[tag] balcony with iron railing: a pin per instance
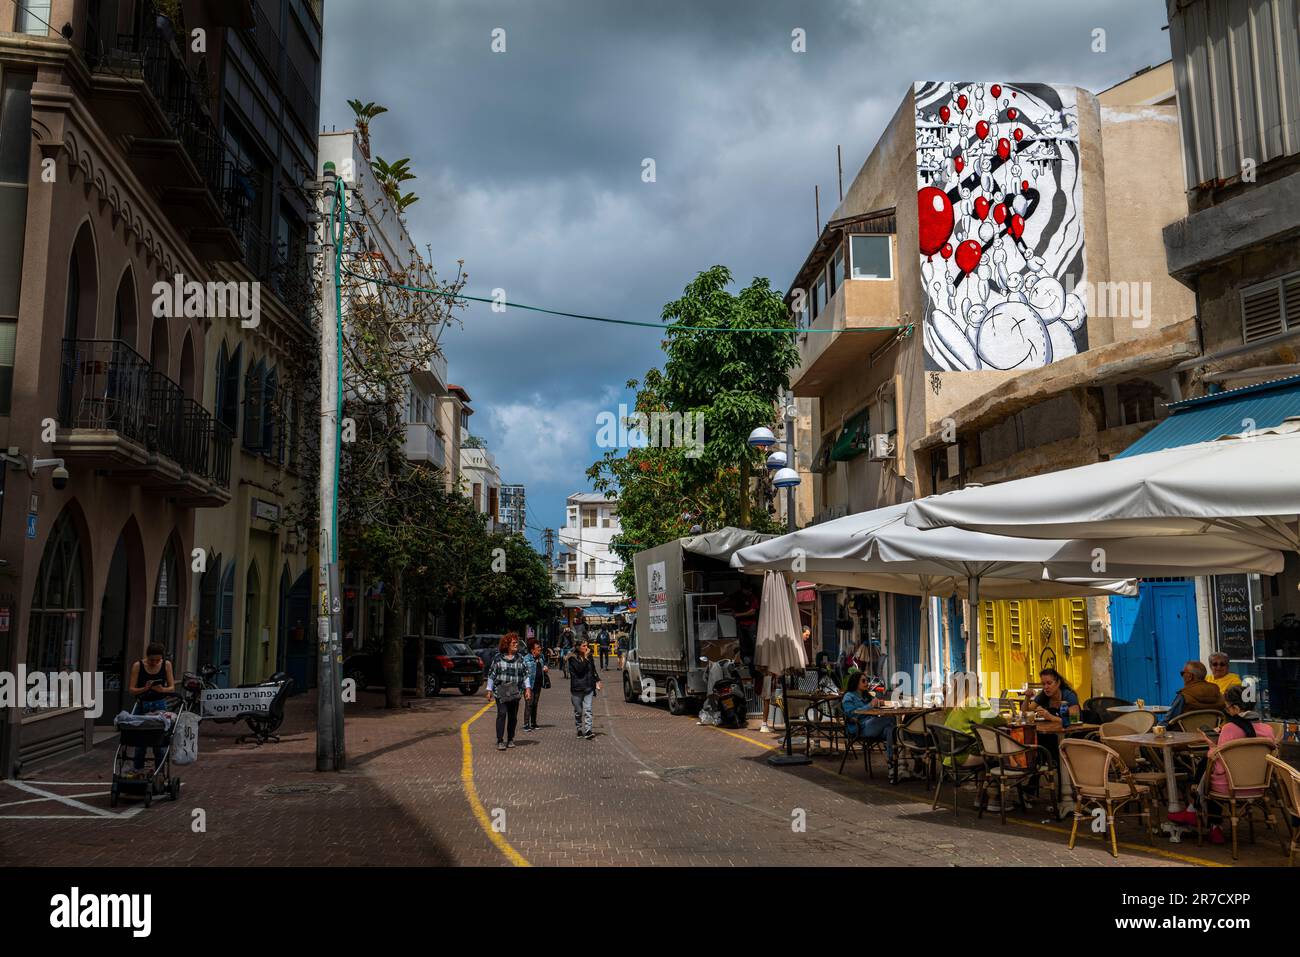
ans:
(144, 92)
(119, 415)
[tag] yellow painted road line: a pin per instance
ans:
(1140, 848)
(471, 793)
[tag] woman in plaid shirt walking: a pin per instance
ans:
(508, 681)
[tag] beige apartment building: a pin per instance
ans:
(120, 168)
(990, 300)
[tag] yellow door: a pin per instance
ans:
(1022, 637)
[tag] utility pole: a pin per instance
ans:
(548, 536)
(330, 754)
(789, 460)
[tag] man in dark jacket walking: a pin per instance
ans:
(584, 682)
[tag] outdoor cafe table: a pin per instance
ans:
(900, 712)
(1153, 708)
(1167, 741)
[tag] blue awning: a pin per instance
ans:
(1208, 417)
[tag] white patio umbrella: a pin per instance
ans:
(1242, 488)
(778, 646)
(878, 550)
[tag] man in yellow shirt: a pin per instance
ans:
(1219, 673)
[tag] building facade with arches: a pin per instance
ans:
(129, 158)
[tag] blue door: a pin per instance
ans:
(1152, 635)
(906, 652)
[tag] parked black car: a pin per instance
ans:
(448, 663)
(485, 646)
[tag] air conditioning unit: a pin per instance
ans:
(880, 449)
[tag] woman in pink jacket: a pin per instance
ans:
(1242, 722)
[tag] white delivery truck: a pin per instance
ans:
(682, 588)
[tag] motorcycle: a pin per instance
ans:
(728, 694)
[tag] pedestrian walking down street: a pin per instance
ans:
(603, 639)
(584, 682)
(539, 678)
(566, 649)
(508, 682)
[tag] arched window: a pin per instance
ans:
(227, 398)
(58, 613)
(167, 602)
(255, 407)
(124, 310)
(272, 426)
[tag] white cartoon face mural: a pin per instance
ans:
(1000, 211)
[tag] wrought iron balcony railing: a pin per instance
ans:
(106, 385)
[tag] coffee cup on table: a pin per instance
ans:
(1159, 730)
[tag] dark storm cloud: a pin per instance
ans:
(529, 161)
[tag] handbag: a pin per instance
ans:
(546, 680)
(507, 691)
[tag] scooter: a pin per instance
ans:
(729, 694)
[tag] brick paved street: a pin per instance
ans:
(650, 789)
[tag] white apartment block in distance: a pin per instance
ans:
(586, 565)
(514, 509)
(480, 479)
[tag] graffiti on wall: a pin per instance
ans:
(1000, 223)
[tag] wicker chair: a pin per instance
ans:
(912, 739)
(1137, 722)
(1250, 777)
(1287, 779)
(1091, 766)
(796, 706)
(826, 723)
(1097, 710)
(1011, 763)
(950, 749)
(1193, 721)
(867, 745)
(1145, 768)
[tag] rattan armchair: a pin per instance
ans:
(1287, 780)
(951, 749)
(912, 739)
(1145, 766)
(1012, 764)
(1137, 722)
(1097, 710)
(1092, 768)
(1250, 777)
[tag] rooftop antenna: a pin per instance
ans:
(839, 166)
(817, 205)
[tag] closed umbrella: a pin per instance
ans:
(1243, 488)
(778, 648)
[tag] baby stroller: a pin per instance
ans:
(149, 731)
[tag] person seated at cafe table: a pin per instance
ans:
(1219, 673)
(1242, 722)
(1057, 695)
(968, 708)
(857, 698)
(1197, 694)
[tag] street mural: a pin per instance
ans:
(1000, 215)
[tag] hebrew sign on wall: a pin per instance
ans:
(1000, 216)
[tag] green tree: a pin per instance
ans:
(718, 367)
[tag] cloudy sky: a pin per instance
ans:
(530, 160)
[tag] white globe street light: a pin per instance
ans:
(762, 437)
(776, 460)
(786, 478)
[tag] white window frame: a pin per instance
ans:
(889, 239)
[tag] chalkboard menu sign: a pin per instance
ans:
(1234, 617)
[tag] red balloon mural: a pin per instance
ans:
(995, 90)
(1004, 148)
(934, 218)
(981, 129)
(962, 101)
(959, 164)
(1012, 113)
(968, 256)
(999, 213)
(1019, 135)
(1017, 225)
(946, 251)
(944, 113)
(981, 207)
